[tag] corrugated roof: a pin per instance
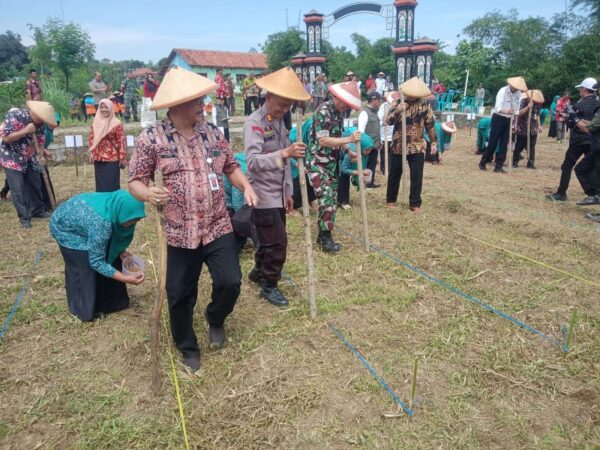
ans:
(226, 60)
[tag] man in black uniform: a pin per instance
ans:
(580, 142)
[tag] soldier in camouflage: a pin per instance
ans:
(322, 157)
(129, 89)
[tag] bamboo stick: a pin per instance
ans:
(529, 125)
(160, 295)
(312, 289)
(363, 197)
(403, 180)
(509, 150)
(386, 149)
(40, 154)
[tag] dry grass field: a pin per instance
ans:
(284, 381)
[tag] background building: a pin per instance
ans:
(206, 63)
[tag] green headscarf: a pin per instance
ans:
(117, 207)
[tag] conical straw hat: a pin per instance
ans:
(347, 92)
(449, 127)
(391, 96)
(415, 87)
(517, 83)
(284, 83)
(43, 110)
(538, 96)
(181, 86)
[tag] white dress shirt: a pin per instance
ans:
(383, 110)
(507, 100)
(380, 84)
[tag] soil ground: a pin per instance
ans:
(284, 381)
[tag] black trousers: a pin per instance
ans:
(521, 145)
(249, 104)
(107, 175)
(500, 130)
(88, 292)
(372, 162)
(416, 164)
(382, 157)
(574, 152)
(588, 172)
(297, 194)
(272, 243)
(343, 196)
(183, 271)
(226, 133)
(26, 189)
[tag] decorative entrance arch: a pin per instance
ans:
(413, 58)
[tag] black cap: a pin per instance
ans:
(373, 96)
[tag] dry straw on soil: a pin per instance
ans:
(284, 381)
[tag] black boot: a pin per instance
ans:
(273, 295)
(326, 242)
(255, 276)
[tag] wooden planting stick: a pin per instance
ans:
(40, 154)
(510, 146)
(363, 197)
(160, 295)
(529, 125)
(403, 180)
(414, 384)
(571, 328)
(386, 154)
(312, 289)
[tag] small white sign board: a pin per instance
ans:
(78, 140)
(450, 118)
(471, 116)
(130, 141)
(69, 141)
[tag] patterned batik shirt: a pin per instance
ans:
(419, 115)
(20, 153)
(195, 215)
(522, 122)
(33, 88)
(112, 147)
(327, 122)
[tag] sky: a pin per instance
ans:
(148, 30)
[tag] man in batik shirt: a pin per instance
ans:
(129, 88)
(19, 159)
(419, 115)
(193, 157)
(33, 90)
(322, 157)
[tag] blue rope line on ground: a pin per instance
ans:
(365, 363)
(549, 339)
(36, 261)
(338, 333)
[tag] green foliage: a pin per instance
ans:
(12, 95)
(339, 60)
(280, 47)
(13, 56)
(68, 45)
(57, 96)
(593, 6)
(500, 45)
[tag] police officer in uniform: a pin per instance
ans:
(268, 154)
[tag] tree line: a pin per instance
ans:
(552, 54)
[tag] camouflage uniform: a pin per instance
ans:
(129, 88)
(322, 162)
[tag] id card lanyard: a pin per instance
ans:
(213, 179)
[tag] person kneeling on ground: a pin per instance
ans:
(93, 231)
(419, 115)
(349, 165)
(444, 132)
(268, 155)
